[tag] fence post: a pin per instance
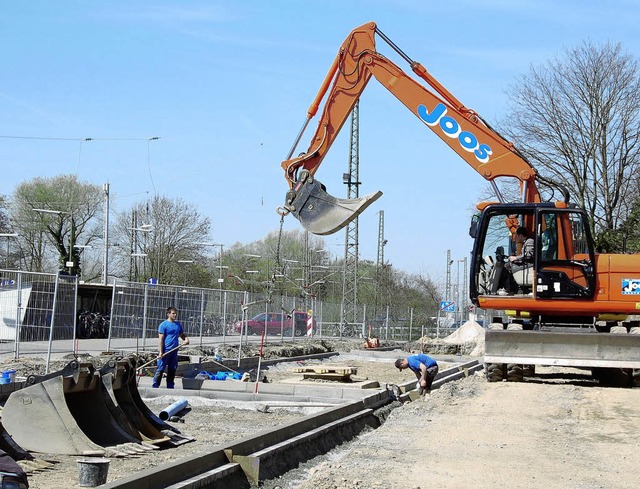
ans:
(410, 321)
(386, 325)
(75, 316)
(52, 322)
(144, 317)
(365, 333)
(113, 303)
(201, 314)
(224, 320)
(18, 318)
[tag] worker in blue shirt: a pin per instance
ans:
(169, 334)
(425, 368)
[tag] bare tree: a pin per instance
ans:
(59, 211)
(162, 238)
(577, 119)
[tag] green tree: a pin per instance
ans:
(56, 216)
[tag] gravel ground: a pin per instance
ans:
(210, 422)
(557, 429)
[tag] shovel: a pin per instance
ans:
(138, 370)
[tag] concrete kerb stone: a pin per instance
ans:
(196, 471)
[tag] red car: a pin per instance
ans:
(276, 323)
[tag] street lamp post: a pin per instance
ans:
(105, 256)
(220, 266)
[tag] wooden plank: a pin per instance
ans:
(326, 370)
(328, 376)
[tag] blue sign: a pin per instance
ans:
(448, 306)
(152, 281)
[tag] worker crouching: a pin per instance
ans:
(424, 367)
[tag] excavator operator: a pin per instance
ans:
(524, 259)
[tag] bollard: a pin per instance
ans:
(92, 472)
(175, 408)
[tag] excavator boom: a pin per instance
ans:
(460, 128)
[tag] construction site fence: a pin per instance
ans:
(207, 314)
(39, 315)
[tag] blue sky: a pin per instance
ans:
(226, 86)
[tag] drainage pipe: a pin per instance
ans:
(175, 408)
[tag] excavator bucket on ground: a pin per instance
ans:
(321, 213)
(77, 411)
(120, 377)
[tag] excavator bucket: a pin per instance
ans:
(321, 213)
(39, 419)
(120, 376)
(81, 411)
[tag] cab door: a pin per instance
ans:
(566, 259)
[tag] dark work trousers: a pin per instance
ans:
(169, 363)
(431, 375)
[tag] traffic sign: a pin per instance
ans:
(448, 306)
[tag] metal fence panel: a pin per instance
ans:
(37, 309)
(137, 310)
(209, 314)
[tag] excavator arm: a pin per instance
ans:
(459, 127)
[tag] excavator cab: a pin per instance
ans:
(563, 265)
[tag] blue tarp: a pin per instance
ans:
(219, 375)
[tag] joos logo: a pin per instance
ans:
(468, 141)
(630, 286)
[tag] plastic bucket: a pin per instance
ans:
(92, 472)
(8, 376)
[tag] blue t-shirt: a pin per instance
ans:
(171, 331)
(416, 360)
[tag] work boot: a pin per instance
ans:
(170, 379)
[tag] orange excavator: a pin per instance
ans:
(554, 304)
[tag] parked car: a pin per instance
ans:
(276, 323)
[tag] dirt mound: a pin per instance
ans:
(469, 331)
(285, 349)
(468, 339)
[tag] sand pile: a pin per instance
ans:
(469, 333)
